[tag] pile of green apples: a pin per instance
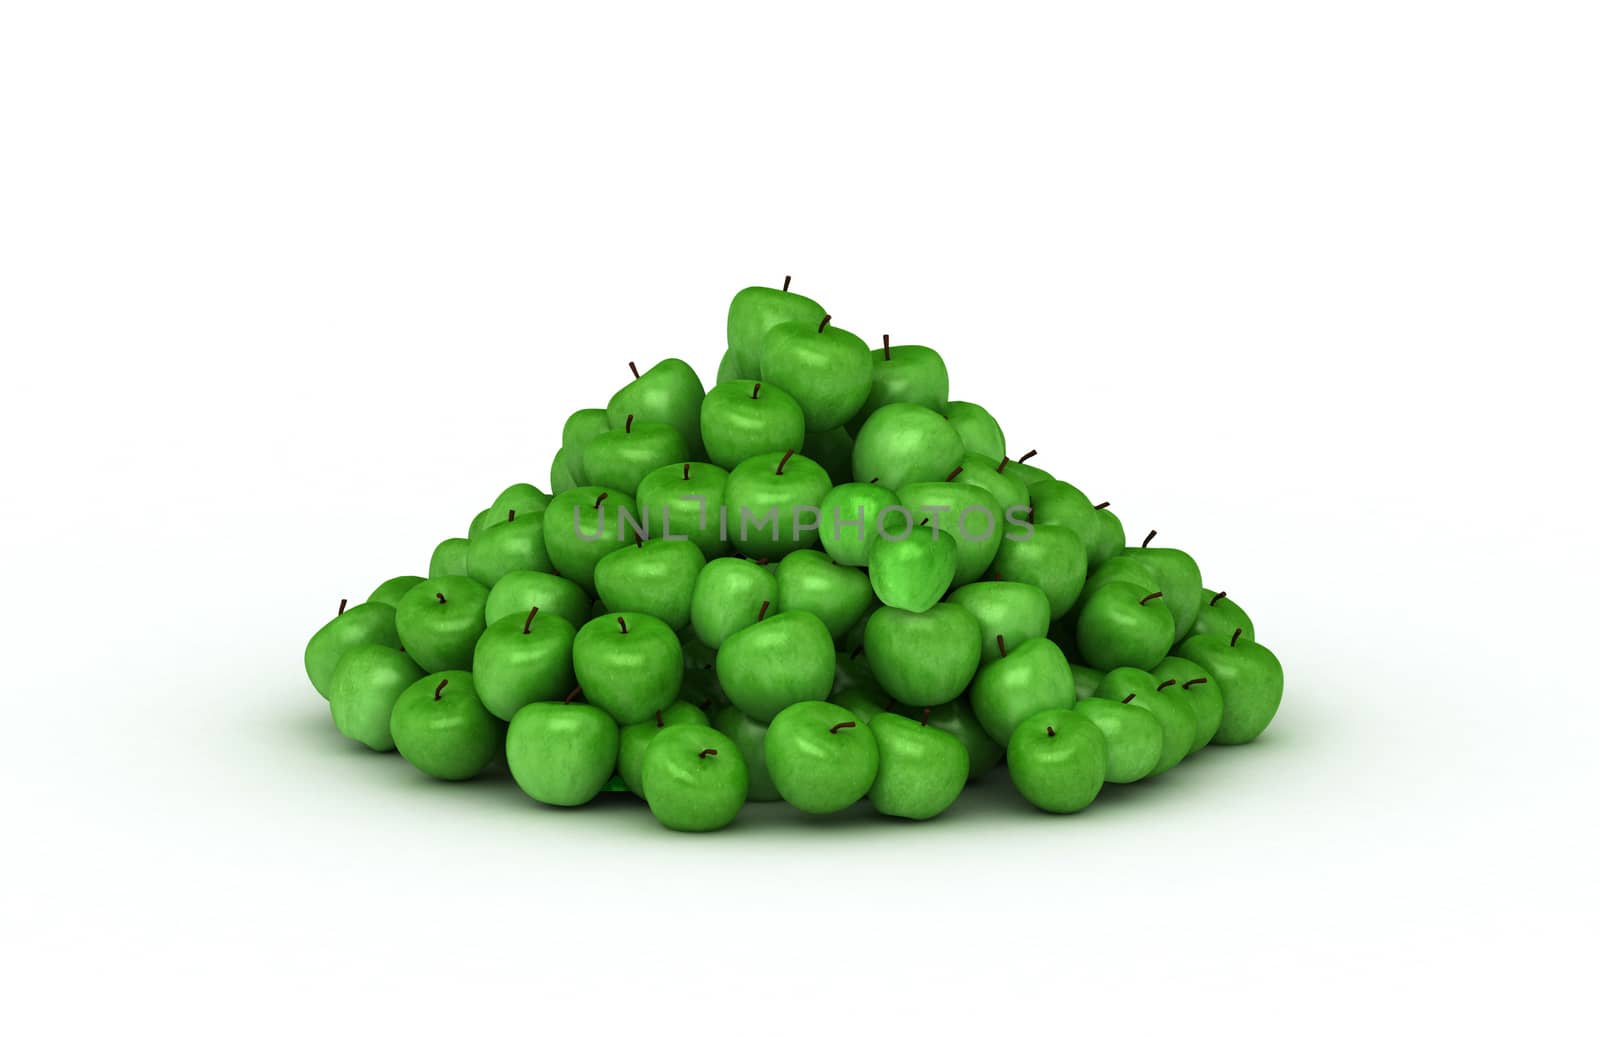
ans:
(820, 581)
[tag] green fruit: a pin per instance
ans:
(1133, 738)
(1178, 577)
(669, 393)
(820, 757)
(1029, 678)
(622, 457)
(1249, 677)
(729, 595)
(750, 737)
(957, 718)
(561, 753)
(523, 659)
(921, 769)
(629, 664)
(561, 477)
(1017, 612)
(581, 429)
(1218, 614)
(1124, 625)
(695, 778)
(744, 418)
(1051, 558)
(439, 621)
(390, 591)
(449, 558)
(839, 595)
(774, 503)
(1172, 712)
(1087, 680)
(906, 374)
(518, 592)
(372, 623)
(727, 368)
(850, 519)
(905, 443)
(756, 311)
(1009, 490)
(913, 571)
(585, 524)
(826, 369)
(1057, 761)
(686, 501)
(774, 663)
(1187, 680)
(366, 684)
(1110, 540)
(1056, 503)
(969, 514)
(926, 658)
(480, 522)
(655, 577)
(831, 448)
(522, 498)
(636, 738)
(516, 545)
(442, 729)
(979, 432)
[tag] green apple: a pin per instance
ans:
(561, 477)
(1109, 537)
(518, 592)
(914, 570)
(522, 498)
(449, 558)
(695, 778)
(1124, 625)
(753, 313)
(831, 448)
(629, 664)
(969, 513)
(1133, 737)
(371, 623)
(1178, 577)
(585, 524)
(1028, 473)
(636, 738)
(685, 500)
(904, 443)
(1087, 679)
(1173, 712)
(1056, 503)
(728, 596)
(515, 545)
(669, 393)
(839, 595)
(581, 428)
(621, 457)
(750, 737)
(1189, 680)
(480, 522)
(1051, 558)
(1249, 677)
(1017, 612)
(826, 369)
(1009, 490)
(957, 718)
(906, 374)
(1218, 614)
(728, 368)
(1057, 761)
(850, 520)
(776, 662)
(855, 688)
(978, 430)
(774, 503)
(439, 621)
(655, 577)
(366, 684)
(921, 769)
(744, 418)
(442, 729)
(1028, 678)
(923, 658)
(561, 753)
(390, 591)
(523, 659)
(820, 757)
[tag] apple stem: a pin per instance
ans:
(623, 623)
(1189, 684)
(511, 515)
(574, 693)
(634, 368)
(1049, 730)
(686, 471)
(342, 603)
(659, 721)
(707, 752)
(763, 613)
(1148, 537)
(1233, 642)
(1219, 596)
(786, 282)
(886, 356)
(755, 394)
(600, 498)
(1102, 505)
(951, 477)
(1164, 685)
(527, 626)
(627, 426)
(1150, 597)
(926, 712)
(836, 728)
(873, 480)
(1001, 467)
(1129, 699)
(1024, 458)
(763, 560)
(788, 454)
(1001, 640)
(440, 596)
(438, 692)
(856, 652)
(826, 317)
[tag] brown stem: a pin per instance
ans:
(1127, 700)
(527, 626)
(511, 514)
(1049, 730)
(836, 728)
(623, 623)
(574, 693)
(1102, 504)
(438, 692)
(755, 394)
(1001, 467)
(1189, 684)
(786, 282)
(659, 721)
(1233, 642)
(826, 317)
(1024, 458)
(1148, 537)
(440, 596)
(1001, 640)
(926, 713)
(1150, 597)
(856, 652)
(342, 603)
(707, 752)
(873, 480)
(952, 476)
(1164, 685)
(686, 471)
(763, 613)
(627, 426)
(603, 495)
(787, 454)
(1218, 597)
(886, 356)
(634, 368)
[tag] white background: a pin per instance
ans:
(289, 291)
